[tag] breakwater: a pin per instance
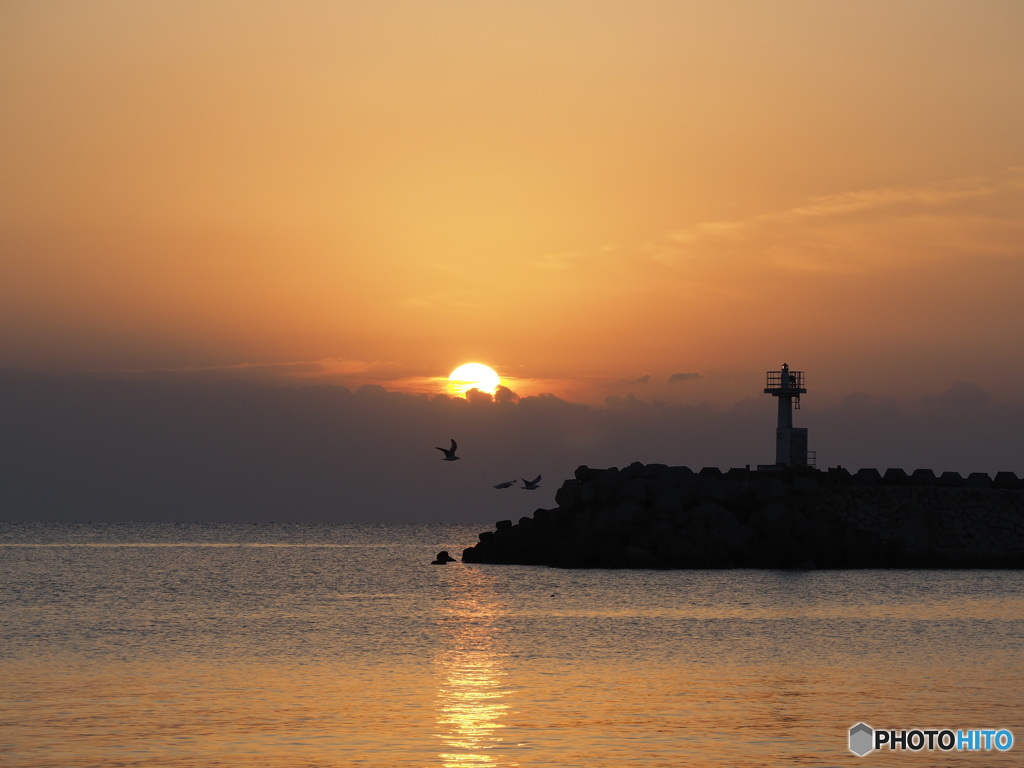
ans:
(656, 516)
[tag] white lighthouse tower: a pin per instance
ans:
(790, 441)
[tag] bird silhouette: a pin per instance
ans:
(531, 485)
(443, 558)
(509, 484)
(449, 453)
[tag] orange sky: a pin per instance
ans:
(580, 194)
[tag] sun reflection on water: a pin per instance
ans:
(472, 695)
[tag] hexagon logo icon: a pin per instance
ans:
(862, 737)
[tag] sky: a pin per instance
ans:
(630, 210)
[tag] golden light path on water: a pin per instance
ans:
(472, 696)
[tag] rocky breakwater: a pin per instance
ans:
(656, 516)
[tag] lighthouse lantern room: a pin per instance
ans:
(790, 441)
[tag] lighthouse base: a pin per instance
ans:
(791, 446)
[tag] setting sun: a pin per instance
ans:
(473, 376)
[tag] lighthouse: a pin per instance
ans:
(790, 441)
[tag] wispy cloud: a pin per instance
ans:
(980, 212)
(711, 229)
(557, 262)
(929, 195)
(330, 368)
(447, 299)
(935, 195)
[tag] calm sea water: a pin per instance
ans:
(289, 646)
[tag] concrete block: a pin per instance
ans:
(895, 476)
(978, 480)
(1005, 480)
(923, 478)
(951, 480)
(866, 476)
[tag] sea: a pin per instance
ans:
(328, 646)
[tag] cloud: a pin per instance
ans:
(477, 396)
(710, 229)
(851, 231)
(96, 449)
(960, 429)
(961, 398)
(505, 395)
(557, 262)
(334, 369)
(675, 378)
(934, 195)
(645, 379)
(439, 299)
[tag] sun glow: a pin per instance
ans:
(473, 376)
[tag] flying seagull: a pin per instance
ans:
(531, 485)
(449, 453)
(506, 485)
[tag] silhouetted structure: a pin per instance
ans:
(783, 515)
(790, 442)
(656, 516)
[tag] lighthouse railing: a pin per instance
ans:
(774, 380)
